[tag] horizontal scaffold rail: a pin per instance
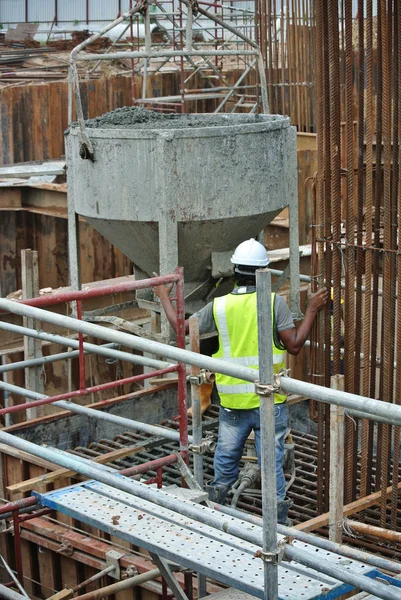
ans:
(370, 408)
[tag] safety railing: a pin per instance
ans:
(266, 385)
(162, 368)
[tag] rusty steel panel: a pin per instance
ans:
(33, 118)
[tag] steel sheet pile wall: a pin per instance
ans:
(33, 118)
(357, 233)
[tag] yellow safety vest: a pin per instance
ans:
(236, 320)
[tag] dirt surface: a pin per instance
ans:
(131, 117)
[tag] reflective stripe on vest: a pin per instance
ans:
(238, 344)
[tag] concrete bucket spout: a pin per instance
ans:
(172, 190)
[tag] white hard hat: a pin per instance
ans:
(250, 253)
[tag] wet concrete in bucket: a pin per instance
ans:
(131, 117)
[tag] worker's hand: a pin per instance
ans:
(318, 300)
(162, 291)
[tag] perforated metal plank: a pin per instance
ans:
(177, 518)
(325, 580)
(190, 543)
(229, 594)
(342, 562)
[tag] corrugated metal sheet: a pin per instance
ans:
(103, 10)
(125, 5)
(12, 11)
(40, 11)
(73, 10)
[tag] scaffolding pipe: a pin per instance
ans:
(128, 285)
(8, 594)
(14, 578)
(166, 54)
(314, 540)
(7, 420)
(34, 362)
(91, 413)
(235, 86)
(41, 399)
(206, 516)
(105, 350)
(390, 413)
(159, 498)
(371, 530)
(10, 507)
(119, 586)
(196, 403)
(126, 339)
(376, 408)
(95, 577)
(267, 433)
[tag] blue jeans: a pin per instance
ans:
(234, 429)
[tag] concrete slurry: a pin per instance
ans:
(131, 117)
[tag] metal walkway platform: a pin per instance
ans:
(194, 545)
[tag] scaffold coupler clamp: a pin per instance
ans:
(267, 389)
(275, 557)
(208, 444)
(195, 7)
(199, 379)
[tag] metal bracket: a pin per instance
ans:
(208, 444)
(198, 379)
(130, 571)
(282, 278)
(273, 558)
(66, 548)
(267, 389)
(165, 569)
(113, 560)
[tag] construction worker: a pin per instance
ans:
(234, 317)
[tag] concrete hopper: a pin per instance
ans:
(171, 190)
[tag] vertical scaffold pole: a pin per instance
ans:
(267, 434)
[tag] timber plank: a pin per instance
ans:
(29, 574)
(14, 473)
(6, 132)
(22, 455)
(50, 168)
(8, 279)
(45, 122)
(47, 572)
(37, 471)
(47, 478)
(69, 572)
(17, 127)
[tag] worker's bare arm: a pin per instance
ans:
(163, 293)
(293, 339)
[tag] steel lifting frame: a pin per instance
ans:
(185, 50)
